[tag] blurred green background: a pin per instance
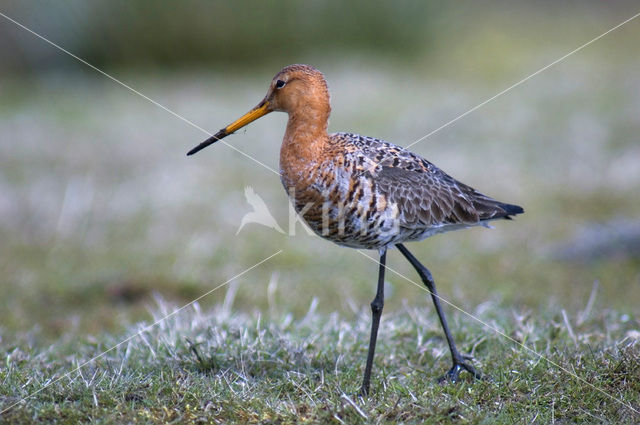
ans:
(100, 208)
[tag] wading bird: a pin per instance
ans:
(365, 193)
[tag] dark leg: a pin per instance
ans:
(376, 310)
(458, 360)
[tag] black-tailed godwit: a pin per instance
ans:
(362, 192)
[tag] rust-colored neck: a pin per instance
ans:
(304, 140)
(305, 128)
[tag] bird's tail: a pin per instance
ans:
(511, 209)
(490, 209)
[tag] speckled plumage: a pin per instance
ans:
(364, 192)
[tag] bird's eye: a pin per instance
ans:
(280, 84)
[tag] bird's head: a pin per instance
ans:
(296, 89)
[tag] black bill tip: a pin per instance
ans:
(211, 140)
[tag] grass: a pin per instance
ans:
(220, 366)
(100, 210)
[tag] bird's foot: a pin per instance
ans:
(364, 392)
(458, 366)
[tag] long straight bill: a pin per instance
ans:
(257, 112)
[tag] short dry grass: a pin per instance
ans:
(219, 367)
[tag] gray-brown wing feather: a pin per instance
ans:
(425, 199)
(425, 195)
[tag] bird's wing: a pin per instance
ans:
(425, 198)
(424, 194)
